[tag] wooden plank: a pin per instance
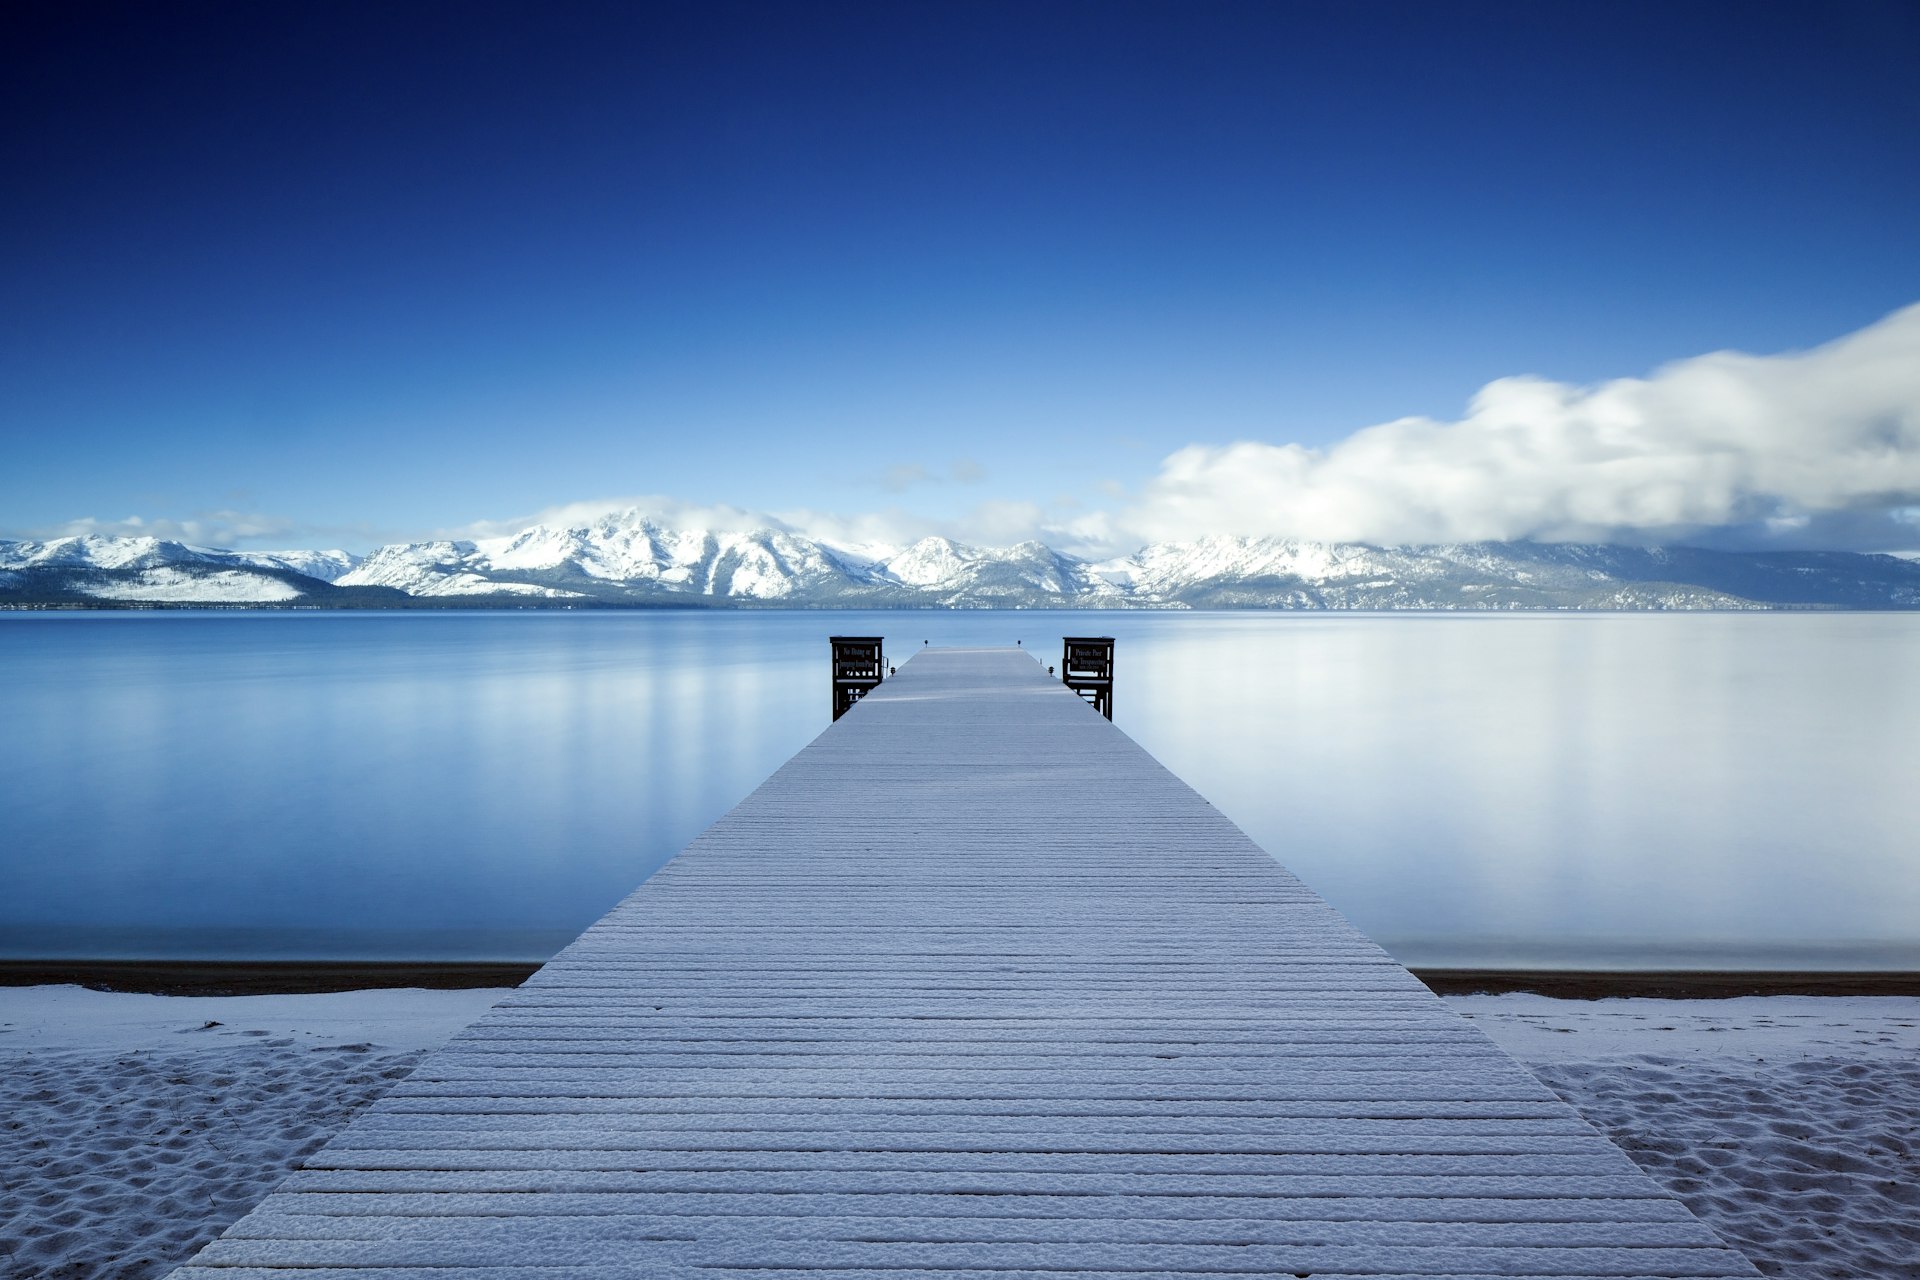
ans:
(971, 986)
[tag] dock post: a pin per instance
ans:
(1086, 665)
(859, 664)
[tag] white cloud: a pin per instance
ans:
(672, 512)
(966, 471)
(892, 527)
(1707, 443)
(902, 476)
(206, 528)
(992, 523)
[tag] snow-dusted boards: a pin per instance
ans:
(972, 986)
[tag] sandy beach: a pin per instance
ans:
(137, 1127)
(1789, 1124)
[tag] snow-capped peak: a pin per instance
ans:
(630, 557)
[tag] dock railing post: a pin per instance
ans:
(1086, 665)
(859, 665)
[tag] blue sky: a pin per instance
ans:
(337, 274)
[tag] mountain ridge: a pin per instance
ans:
(629, 559)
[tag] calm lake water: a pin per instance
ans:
(1701, 790)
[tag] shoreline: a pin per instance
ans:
(263, 977)
(304, 977)
(1669, 984)
(144, 1125)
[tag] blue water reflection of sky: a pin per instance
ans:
(1581, 790)
(1593, 790)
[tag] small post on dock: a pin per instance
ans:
(1087, 668)
(859, 664)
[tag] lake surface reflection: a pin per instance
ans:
(1545, 791)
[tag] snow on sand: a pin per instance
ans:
(138, 1127)
(1788, 1124)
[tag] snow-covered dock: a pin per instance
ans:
(971, 986)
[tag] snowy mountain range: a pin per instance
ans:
(629, 559)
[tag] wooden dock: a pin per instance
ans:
(970, 987)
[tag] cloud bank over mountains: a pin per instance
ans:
(1806, 447)
(1816, 449)
(1813, 449)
